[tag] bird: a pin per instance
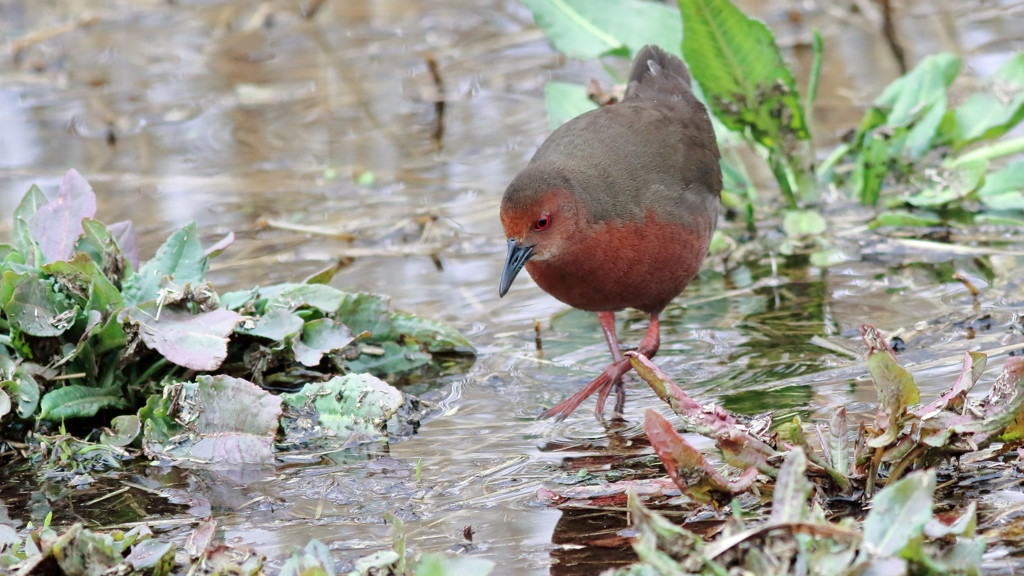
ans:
(616, 209)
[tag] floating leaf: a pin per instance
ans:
(57, 224)
(354, 405)
(228, 421)
(196, 341)
(77, 401)
(433, 336)
(389, 358)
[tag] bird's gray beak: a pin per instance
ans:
(514, 261)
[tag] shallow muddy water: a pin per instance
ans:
(297, 134)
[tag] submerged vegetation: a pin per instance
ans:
(88, 331)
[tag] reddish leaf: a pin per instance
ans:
(57, 224)
(740, 448)
(687, 467)
(196, 341)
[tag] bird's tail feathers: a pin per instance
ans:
(656, 72)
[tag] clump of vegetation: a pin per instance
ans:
(927, 162)
(88, 330)
(78, 550)
(918, 161)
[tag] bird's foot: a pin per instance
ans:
(603, 385)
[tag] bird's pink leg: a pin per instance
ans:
(604, 383)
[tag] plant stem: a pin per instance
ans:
(989, 152)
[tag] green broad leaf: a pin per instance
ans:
(896, 390)
(904, 218)
(5, 403)
(827, 257)
(350, 406)
(196, 341)
(389, 358)
(76, 401)
(152, 556)
(1004, 189)
(792, 490)
(325, 298)
(57, 225)
(23, 215)
(803, 223)
(37, 309)
(8, 251)
(180, 259)
(918, 140)
(100, 245)
(1004, 405)
(742, 74)
(277, 324)
(994, 110)
(950, 185)
(587, 29)
(22, 387)
(123, 431)
(431, 335)
(999, 220)
(365, 312)
(82, 277)
(565, 101)
(438, 564)
(898, 515)
(8, 282)
(907, 98)
(320, 337)
(313, 560)
(662, 544)
(227, 422)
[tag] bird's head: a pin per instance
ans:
(540, 218)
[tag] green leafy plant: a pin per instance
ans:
(752, 94)
(899, 535)
(86, 328)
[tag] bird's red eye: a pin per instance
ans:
(543, 222)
